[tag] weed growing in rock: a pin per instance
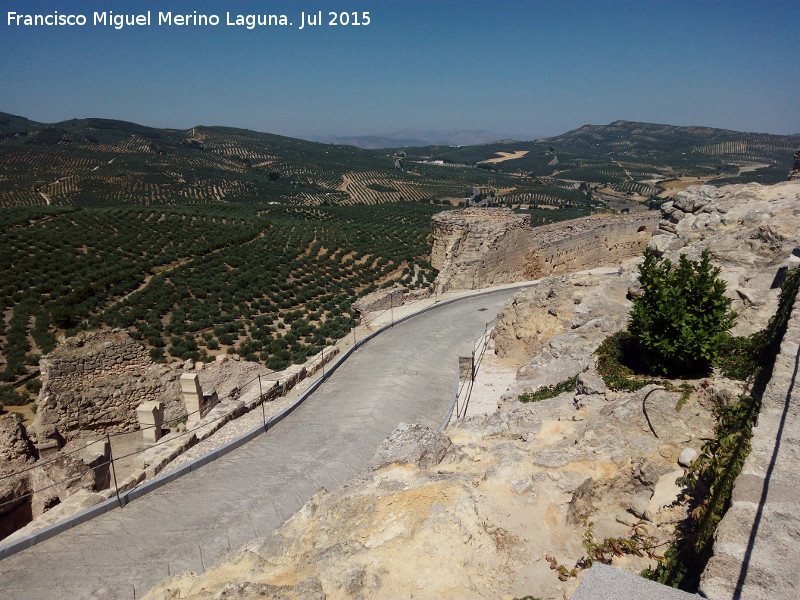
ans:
(639, 544)
(550, 391)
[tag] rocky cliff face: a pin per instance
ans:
(477, 248)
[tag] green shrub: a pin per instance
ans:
(682, 317)
(712, 475)
(614, 356)
(11, 397)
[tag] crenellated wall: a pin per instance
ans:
(477, 248)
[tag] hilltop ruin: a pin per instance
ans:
(476, 248)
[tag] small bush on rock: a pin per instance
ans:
(682, 317)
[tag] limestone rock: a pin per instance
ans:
(664, 496)
(15, 446)
(481, 247)
(556, 326)
(687, 457)
(589, 382)
(750, 231)
(412, 444)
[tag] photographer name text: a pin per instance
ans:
(110, 19)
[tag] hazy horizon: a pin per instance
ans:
(520, 69)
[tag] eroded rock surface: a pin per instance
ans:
(752, 232)
(476, 247)
(556, 326)
(511, 489)
(479, 247)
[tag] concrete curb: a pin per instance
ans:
(155, 483)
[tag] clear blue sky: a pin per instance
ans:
(531, 68)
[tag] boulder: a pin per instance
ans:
(412, 444)
(589, 382)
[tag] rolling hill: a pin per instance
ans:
(104, 162)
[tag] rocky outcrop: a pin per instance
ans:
(562, 318)
(477, 248)
(795, 173)
(94, 381)
(411, 444)
(511, 490)
(752, 232)
(16, 453)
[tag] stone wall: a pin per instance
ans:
(477, 248)
(93, 382)
(760, 533)
(587, 243)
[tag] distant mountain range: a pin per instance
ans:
(419, 137)
(98, 162)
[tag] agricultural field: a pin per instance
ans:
(629, 152)
(100, 162)
(271, 283)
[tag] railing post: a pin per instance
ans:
(113, 469)
(261, 397)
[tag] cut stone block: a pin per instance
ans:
(197, 403)
(151, 420)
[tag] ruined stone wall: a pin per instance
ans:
(94, 382)
(587, 243)
(795, 173)
(477, 248)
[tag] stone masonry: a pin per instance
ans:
(94, 381)
(758, 538)
(477, 248)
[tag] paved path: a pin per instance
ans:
(405, 374)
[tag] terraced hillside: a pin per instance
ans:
(102, 162)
